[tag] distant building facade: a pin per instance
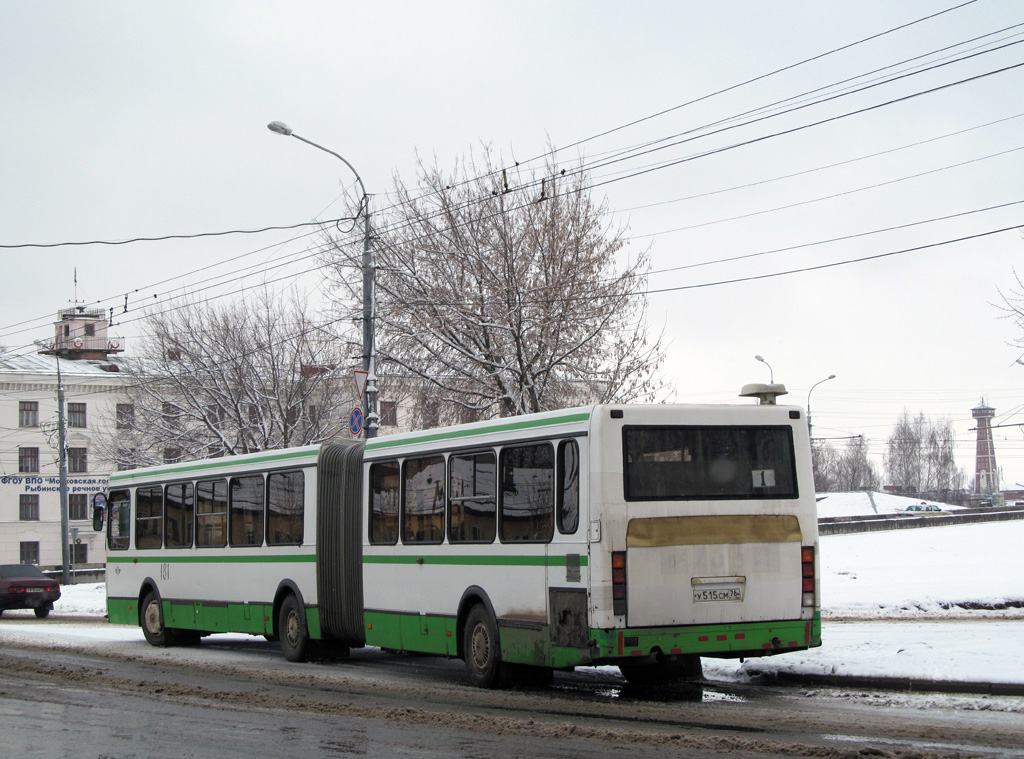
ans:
(30, 502)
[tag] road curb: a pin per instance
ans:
(905, 684)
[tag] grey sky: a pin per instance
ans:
(145, 120)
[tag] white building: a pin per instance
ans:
(30, 503)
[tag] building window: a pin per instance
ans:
(28, 414)
(28, 459)
(30, 552)
(79, 553)
(388, 414)
(76, 415)
(90, 330)
(171, 414)
(28, 507)
(125, 416)
(77, 460)
(78, 506)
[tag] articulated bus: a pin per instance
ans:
(639, 536)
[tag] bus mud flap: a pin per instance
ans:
(569, 618)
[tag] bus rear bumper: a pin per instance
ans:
(747, 639)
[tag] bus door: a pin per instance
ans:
(568, 557)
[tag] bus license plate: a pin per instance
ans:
(714, 589)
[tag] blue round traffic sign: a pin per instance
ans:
(355, 421)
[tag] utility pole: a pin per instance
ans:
(63, 459)
(372, 419)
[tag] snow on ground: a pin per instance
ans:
(861, 504)
(898, 603)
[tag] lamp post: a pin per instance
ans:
(831, 376)
(369, 271)
(771, 374)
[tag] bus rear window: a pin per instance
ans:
(708, 463)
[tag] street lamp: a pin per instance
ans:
(771, 374)
(369, 269)
(831, 376)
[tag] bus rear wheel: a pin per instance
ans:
(152, 619)
(480, 648)
(291, 629)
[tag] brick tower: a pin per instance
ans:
(986, 477)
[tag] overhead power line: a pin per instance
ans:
(177, 236)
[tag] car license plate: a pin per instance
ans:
(714, 589)
(33, 590)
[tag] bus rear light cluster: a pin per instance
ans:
(618, 582)
(807, 574)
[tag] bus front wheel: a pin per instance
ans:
(480, 648)
(291, 629)
(153, 621)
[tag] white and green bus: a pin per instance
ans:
(639, 536)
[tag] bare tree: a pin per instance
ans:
(1012, 307)
(854, 470)
(824, 464)
(920, 460)
(212, 380)
(903, 455)
(503, 294)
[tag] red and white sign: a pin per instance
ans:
(361, 382)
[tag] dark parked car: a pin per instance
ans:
(23, 586)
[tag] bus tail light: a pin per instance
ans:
(618, 582)
(807, 573)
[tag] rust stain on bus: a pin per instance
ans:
(712, 530)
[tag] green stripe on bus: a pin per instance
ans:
(223, 463)
(490, 561)
(171, 559)
(389, 442)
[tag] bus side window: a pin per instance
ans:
(245, 511)
(119, 523)
(286, 501)
(212, 513)
(472, 513)
(180, 515)
(384, 490)
(568, 487)
(423, 500)
(149, 517)
(527, 493)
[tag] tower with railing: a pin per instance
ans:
(81, 333)
(986, 476)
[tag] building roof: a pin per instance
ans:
(38, 364)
